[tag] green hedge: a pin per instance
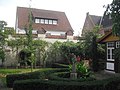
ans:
(42, 74)
(65, 76)
(58, 65)
(108, 84)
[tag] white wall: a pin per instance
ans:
(55, 32)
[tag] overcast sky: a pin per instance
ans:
(75, 9)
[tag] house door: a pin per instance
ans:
(110, 64)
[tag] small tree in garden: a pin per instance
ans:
(67, 48)
(29, 37)
(91, 48)
(40, 46)
(2, 41)
(54, 51)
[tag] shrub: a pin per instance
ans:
(42, 74)
(65, 76)
(81, 69)
(107, 84)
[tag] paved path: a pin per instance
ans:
(105, 74)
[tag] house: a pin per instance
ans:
(90, 22)
(47, 25)
(112, 42)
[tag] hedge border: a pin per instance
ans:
(41, 74)
(107, 84)
(57, 77)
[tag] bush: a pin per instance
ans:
(107, 84)
(65, 76)
(42, 74)
(81, 69)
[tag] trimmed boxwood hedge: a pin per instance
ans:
(58, 65)
(41, 74)
(65, 76)
(107, 84)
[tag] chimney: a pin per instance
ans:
(87, 13)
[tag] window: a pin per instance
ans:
(50, 21)
(62, 34)
(110, 54)
(117, 44)
(46, 21)
(37, 20)
(110, 66)
(42, 21)
(54, 22)
(110, 44)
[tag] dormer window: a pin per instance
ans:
(46, 21)
(50, 21)
(37, 20)
(54, 22)
(42, 21)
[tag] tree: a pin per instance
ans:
(40, 46)
(114, 11)
(16, 45)
(91, 47)
(54, 51)
(29, 37)
(68, 48)
(2, 41)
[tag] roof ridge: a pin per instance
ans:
(41, 9)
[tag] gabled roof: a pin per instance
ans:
(63, 23)
(95, 19)
(106, 22)
(90, 22)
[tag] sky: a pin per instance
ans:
(75, 10)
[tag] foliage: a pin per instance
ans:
(91, 49)
(117, 53)
(54, 51)
(2, 40)
(41, 74)
(81, 69)
(2, 55)
(88, 42)
(25, 57)
(67, 48)
(65, 76)
(9, 31)
(42, 54)
(107, 84)
(114, 11)
(29, 38)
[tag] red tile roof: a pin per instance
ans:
(63, 23)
